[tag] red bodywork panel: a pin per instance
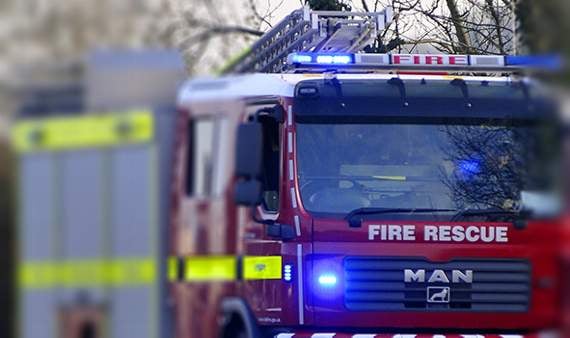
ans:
(565, 263)
(538, 244)
(405, 335)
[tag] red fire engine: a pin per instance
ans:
(363, 202)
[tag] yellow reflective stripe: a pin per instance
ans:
(211, 268)
(224, 268)
(88, 272)
(95, 130)
(262, 267)
(84, 273)
(172, 269)
(131, 272)
(37, 275)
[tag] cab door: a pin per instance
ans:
(262, 258)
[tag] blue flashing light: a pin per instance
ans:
(323, 59)
(550, 62)
(287, 272)
(335, 59)
(301, 58)
(342, 59)
(327, 280)
(469, 168)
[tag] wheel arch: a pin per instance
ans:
(238, 307)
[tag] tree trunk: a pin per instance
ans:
(460, 32)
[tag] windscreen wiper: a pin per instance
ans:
(356, 222)
(516, 215)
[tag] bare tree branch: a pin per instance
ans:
(257, 15)
(365, 6)
(234, 29)
(495, 15)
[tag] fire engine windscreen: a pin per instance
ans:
(362, 159)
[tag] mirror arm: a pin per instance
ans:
(520, 224)
(259, 220)
(396, 81)
(274, 229)
(462, 85)
(276, 112)
(521, 221)
(281, 231)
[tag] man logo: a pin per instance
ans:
(436, 294)
(438, 276)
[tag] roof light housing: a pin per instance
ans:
(435, 62)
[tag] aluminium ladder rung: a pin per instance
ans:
(305, 30)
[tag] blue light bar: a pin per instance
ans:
(300, 58)
(549, 62)
(321, 59)
(436, 62)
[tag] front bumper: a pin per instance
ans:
(423, 335)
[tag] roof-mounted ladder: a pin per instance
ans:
(305, 30)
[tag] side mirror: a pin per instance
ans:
(249, 164)
(248, 193)
(541, 204)
(249, 151)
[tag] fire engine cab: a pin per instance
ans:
(350, 195)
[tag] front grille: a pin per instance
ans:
(378, 284)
